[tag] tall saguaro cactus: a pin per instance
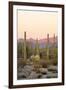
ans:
(25, 54)
(37, 47)
(54, 40)
(36, 61)
(47, 46)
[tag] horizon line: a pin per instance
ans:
(37, 38)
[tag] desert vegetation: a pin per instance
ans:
(35, 61)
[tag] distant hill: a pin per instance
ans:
(42, 42)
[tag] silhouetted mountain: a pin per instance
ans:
(42, 42)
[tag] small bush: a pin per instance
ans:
(45, 63)
(55, 62)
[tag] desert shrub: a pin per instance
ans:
(23, 62)
(45, 63)
(55, 62)
(19, 50)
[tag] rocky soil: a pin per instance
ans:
(28, 72)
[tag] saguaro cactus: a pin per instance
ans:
(37, 47)
(36, 61)
(47, 46)
(25, 54)
(54, 40)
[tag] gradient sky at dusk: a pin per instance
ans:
(37, 24)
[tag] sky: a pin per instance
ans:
(37, 24)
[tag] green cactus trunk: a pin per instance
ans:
(54, 41)
(47, 46)
(25, 54)
(37, 47)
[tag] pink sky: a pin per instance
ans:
(37, 24)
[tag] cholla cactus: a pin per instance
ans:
(36, 63)
(32, 58)
(37, 58)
